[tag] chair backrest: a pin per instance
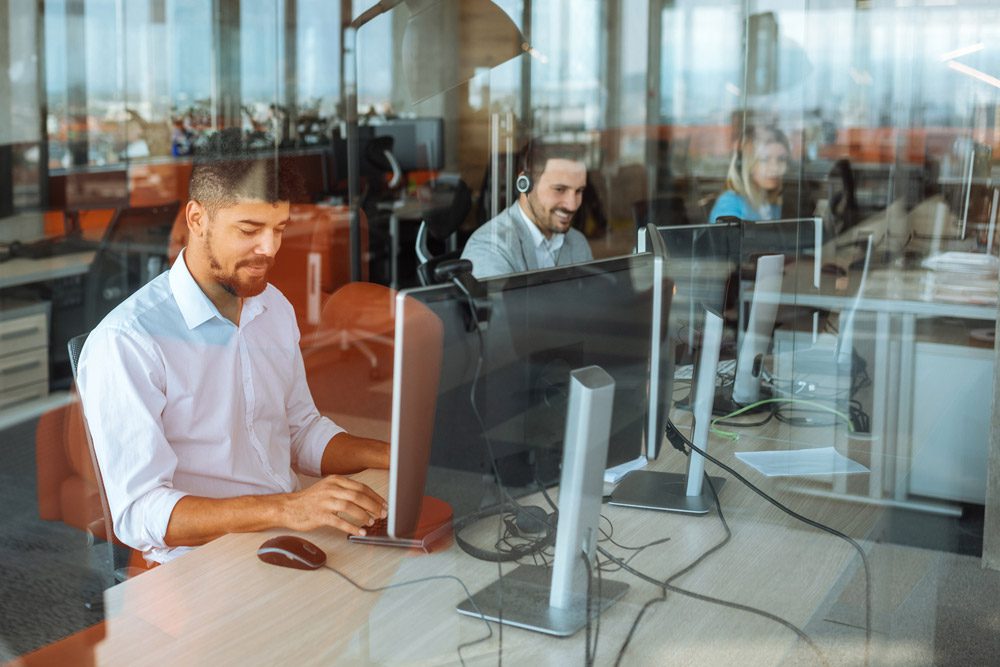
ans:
(75, 346)
(452, 202)
(670, 210)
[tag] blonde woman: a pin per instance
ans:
(753, 184)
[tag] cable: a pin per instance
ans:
(468, 595)
(667, 586)
(795, 515)
(796, 401)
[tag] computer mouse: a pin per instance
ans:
(531, 520)
(292, 551)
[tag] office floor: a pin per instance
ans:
(939, 606)
(47, 570)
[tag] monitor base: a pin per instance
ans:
(723, 404)
(664, 491)
(521, 599)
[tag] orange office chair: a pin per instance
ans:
(70, 487)
(349, 359)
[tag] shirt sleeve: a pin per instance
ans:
(121, 383)
(309, 431)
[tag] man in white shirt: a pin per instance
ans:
(195, 392)
(536, 231)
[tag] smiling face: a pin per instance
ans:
(234, 247)
(770, 165)
(556, 196)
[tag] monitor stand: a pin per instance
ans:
(522, 596)
(676, 492)
(554, 601)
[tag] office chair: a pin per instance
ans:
(669, 210)
(134, 564)
(134, 250)
(349, 359)
(451, 203)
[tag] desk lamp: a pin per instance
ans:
(431, 67)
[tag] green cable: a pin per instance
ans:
(732, 435)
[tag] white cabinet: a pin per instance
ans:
(24, 351)
(952, 400)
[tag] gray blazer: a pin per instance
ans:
(504, 246)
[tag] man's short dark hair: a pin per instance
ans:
(226, 173)
(538, 152)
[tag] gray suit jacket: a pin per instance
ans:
(503, 245)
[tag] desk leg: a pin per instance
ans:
(903, 444)
(880, 403)
(393, 249)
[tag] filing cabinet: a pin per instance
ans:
(24, 351)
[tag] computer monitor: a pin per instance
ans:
(414, 519)
(542, 325)
(800, 240)
(132, 252)
(417, 143)
(703, 262)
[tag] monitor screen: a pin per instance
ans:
(702, 261)
(417, 143)
(542, 325)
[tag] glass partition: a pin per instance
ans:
(857, 139)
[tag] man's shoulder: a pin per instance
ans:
(503, 221)
(146, 310)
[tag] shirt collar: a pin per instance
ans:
(537, 238)
(194, 304)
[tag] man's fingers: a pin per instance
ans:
(342, 487)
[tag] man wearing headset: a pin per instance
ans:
(536, 231)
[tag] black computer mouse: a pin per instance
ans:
(531, 520)
(292, 551)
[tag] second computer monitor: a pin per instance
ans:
(503, 397)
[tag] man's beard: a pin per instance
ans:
(545, 219)
(232, 283)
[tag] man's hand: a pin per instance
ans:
(323, 502)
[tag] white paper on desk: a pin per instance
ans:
(796, 462)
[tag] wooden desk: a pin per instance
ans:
(220, 605)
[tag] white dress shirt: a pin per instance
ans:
(180, 400)
(546, 250)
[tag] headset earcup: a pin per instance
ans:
(523, 184)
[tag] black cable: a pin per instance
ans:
(667, 586)
(806, 520)
(468, 595)
(489, 448)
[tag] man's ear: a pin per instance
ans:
(197, 218)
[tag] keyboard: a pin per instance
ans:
(54, 247)
(378, 529)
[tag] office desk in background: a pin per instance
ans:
(24, 271)
(220, 605)
(931, 393)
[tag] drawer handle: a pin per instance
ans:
(19, 368)
(19, 401)
(18, 333)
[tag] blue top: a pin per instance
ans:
(731, 203)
